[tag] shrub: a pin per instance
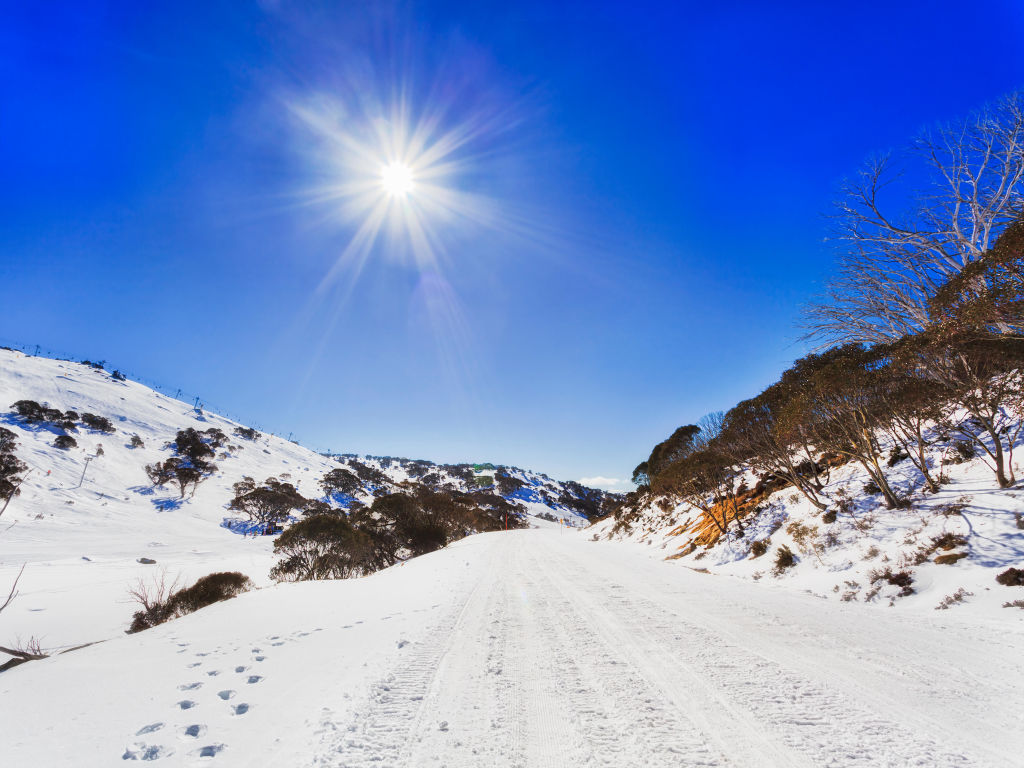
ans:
(1014, 604)
(963, 450)
(98, 423)
(248, 433)
(871, 488)
(954, 599)
(948, 541)
(896, 456)
(829, 516)
(118, 376)
(160, 602)
(784, 559)
(322, 547)
(901, 579)
(209, 590)
(177, 471)
(10, 467)
(369, 474)
(65, 442)
(340, 480)
(758, 548)
(34, 413)
(136, 442)
(1011, 577)
(30, 411)
(269, 504)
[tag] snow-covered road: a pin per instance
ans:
(532, 648)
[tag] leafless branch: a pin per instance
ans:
(905, 230)
(14, 589)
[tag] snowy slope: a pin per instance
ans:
(81, 539)
(531, 648)
(843, 560)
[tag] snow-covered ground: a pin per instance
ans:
(842, 559)
(80, 527)
(530, 648)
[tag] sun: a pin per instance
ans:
(397, 179)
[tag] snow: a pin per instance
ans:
(543, 647)
(80, 543)
(530, 648)
(837, 560)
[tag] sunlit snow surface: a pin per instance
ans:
(81, 544)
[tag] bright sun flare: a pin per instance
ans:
(396, 178)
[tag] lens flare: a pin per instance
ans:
(397, 179)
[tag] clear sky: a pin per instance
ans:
(620, 219)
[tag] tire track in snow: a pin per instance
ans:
(382, 733)
(802, 714)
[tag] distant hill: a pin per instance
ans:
(87, 513)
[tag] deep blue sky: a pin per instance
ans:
(666, 167)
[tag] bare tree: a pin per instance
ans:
(966, 183)
(14, 590)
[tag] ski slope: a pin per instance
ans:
(529, 648)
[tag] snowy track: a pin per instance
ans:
(564, 654)
(535, 648)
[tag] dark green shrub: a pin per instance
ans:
(10, 466)
(98, 423)
(269, 504)
(340, 480)
(65, 442)
(322, 547)
(136, 442)
(248, 433)
(208, 590)
(161, 603)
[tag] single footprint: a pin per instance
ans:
(213, 672)
(259, 658)
(240, 709)
(186, 704)
(253, 679)
(149, 728)
(279, 642)
(144, 752)
(226, 695)
(193, 731)
(210, 750)
(189, 686)
(239, 669)
(194, 664)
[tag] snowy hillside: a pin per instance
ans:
(944, 550)
(87, 517)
